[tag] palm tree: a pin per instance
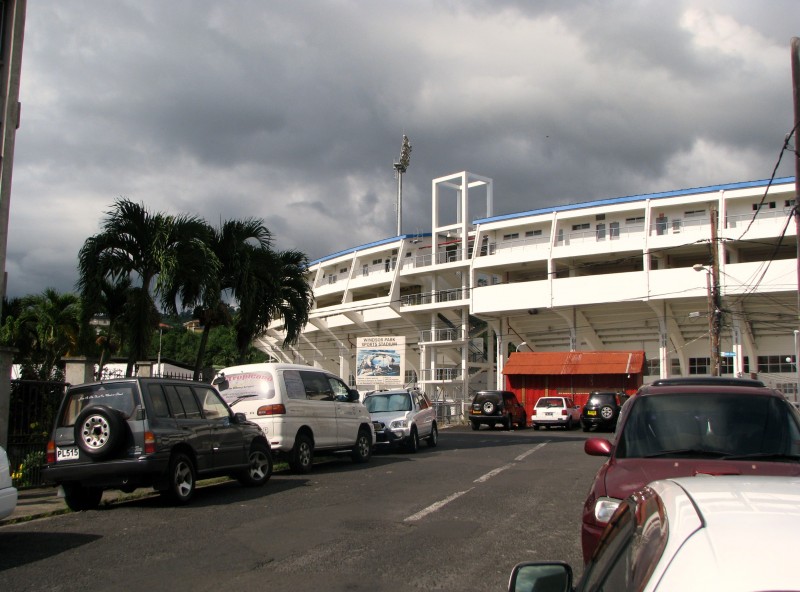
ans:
(51, 321)
(277, 290)
(237, 246)
(151, 250)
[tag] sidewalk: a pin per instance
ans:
(39, 502)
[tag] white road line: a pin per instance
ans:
(433, 507)
(482, 479)
(532, 450)
(492, 473)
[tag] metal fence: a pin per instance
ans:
(32, 412)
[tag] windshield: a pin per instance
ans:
(709, 425)
(388, 402)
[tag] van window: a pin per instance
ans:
(316, 386)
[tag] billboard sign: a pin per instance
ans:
(381, 361)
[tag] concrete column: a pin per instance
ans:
(79, 370)
(145, 369)
(6, 360)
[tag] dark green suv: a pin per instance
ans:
(150, 432)
(602, 410)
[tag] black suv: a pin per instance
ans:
(493, 407)
(602, 410)
(150, 432)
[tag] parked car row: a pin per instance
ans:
(699, 466)
(168, 433)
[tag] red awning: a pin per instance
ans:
(575, 362)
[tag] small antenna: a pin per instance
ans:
(399, 169)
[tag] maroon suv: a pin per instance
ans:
(681, 429)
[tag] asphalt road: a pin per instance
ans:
(455, 517)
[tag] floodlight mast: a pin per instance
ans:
(399, 169)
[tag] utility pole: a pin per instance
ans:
(796, 94)
(715, 301)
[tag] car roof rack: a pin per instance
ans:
(706, 381)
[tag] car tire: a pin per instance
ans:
(182, 479)
(523, 425)
(260, 466)
(607, 413)
(488, 408)
(433, 439)
(475, 425)
(301, 458)
(80, 498)
(509, 423)
(413, 441)
(99, 431)
(362, 451)
(568, 426)
(536, 427)
(585, 427)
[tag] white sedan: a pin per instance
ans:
(733, 533)
(8, 493)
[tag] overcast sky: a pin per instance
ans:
(294, 112)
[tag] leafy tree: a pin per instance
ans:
(152, 250)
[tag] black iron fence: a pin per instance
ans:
(32, 411)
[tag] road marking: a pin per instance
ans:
(492, 473)
(433, 507)
(532, 450)
(482, 479)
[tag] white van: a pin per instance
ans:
(300, 409)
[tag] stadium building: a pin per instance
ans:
(703, 281)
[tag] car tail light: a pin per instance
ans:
(271, 410)
(563, 412)
(149, 442)
(51, 453)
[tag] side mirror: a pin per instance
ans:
(550, 576)
(597, 447)
(354, 396)
(239, 418)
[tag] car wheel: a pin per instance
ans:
(475, 425)
(569, 424)
(536, 427)
(182, 479)
(585, 427)
(433, 439)
(260, 469)
(413, 441)
(509, 423)
(523, 424)
(488, 407)
(99, 431)
(606, 413)
(302, 455)
(362, 451)
(80, 498)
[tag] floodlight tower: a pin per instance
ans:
(399, 169)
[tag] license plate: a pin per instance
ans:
(70, 453)
(591, 413)
(549, 413)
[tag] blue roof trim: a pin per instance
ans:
(630, 198)
(391, 239)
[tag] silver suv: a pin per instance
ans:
(402, 417)
(150, 432)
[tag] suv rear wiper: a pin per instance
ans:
(763, 456)
(688, 452)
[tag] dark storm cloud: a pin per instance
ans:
(294, 112)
